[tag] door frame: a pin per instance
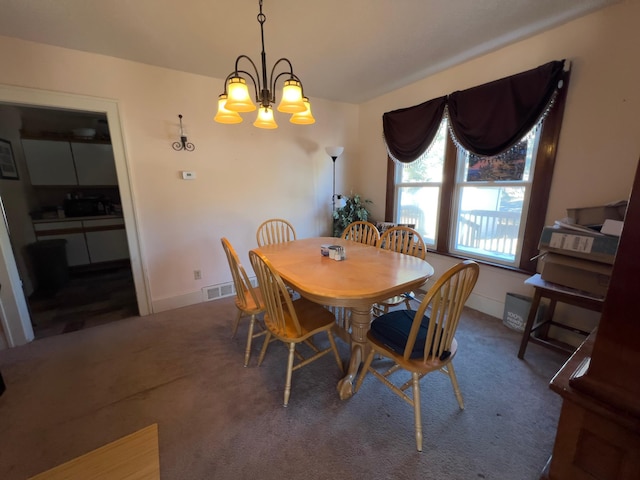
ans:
(14, 315)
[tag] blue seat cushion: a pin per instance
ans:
(392, 330)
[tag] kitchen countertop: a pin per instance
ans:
(75, 219)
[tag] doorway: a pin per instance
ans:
(16, 321)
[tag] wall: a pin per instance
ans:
(600, 140)
(244, 175)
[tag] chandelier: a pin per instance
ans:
(236, 98)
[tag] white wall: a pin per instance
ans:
(599, 144)
(244, 175)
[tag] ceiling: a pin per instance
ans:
(342, 50)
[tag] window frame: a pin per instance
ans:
(462, 159)
(539, 196)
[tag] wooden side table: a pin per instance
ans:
(555, 293)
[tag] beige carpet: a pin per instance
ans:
(71, 393)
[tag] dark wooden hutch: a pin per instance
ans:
(598, 436)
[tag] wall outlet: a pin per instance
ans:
(197, 275)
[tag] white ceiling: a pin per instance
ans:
(343, 50)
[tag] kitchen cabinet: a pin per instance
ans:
(94, 164)
(89, 240)
(49, 162)
(73, 233)
(106, 240)
(57, 162)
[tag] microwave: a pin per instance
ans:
(86, 207)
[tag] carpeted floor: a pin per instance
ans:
(72, 393)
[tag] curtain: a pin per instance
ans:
(486, 120)
(408, 132)
(490, 118)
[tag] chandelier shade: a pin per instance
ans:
(265, 118)
(303, 118)
(291, 98)
(224, 115)
(237, 99)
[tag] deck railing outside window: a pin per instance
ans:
(487, 232)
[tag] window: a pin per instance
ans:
(488, 207)
(489, 203)
(417, 189)
(489, 198)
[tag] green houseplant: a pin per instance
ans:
(354, 209)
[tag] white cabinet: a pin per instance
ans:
(106, 240)
(56, 162)
(94, 164)
(49, 162)
(88, 241)
(73, 233)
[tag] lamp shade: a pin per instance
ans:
(334, 152)
(292, 101)
(224, 115)
(238, 98)
(265, 118)
(303, 118)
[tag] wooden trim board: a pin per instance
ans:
(134, 457)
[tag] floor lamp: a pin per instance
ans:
(334, 153)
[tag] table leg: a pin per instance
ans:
(360, 323)
(544, 328)
(535, 303)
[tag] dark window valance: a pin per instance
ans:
(486, 120)
(408, 132)
(490, 118)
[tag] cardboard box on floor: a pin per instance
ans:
(586, 275)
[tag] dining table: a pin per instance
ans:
(365, 276)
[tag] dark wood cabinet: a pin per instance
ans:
(598, 436)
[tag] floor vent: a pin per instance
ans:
(222, 290)
(213, 292)
(226, 290)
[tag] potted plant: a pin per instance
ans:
(354, 209)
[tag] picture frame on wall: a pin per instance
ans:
(8, 168)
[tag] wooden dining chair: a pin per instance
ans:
(362, 232)
(293, 322)
(423, 341)
(248, 299)
(275, 230)
(405, 240)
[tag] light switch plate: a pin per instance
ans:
(188, 175)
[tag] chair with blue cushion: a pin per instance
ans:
(423, 341)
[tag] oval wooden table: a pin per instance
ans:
(368, 275)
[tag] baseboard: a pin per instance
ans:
(483, 304)
(486, 305)
(171, 303)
